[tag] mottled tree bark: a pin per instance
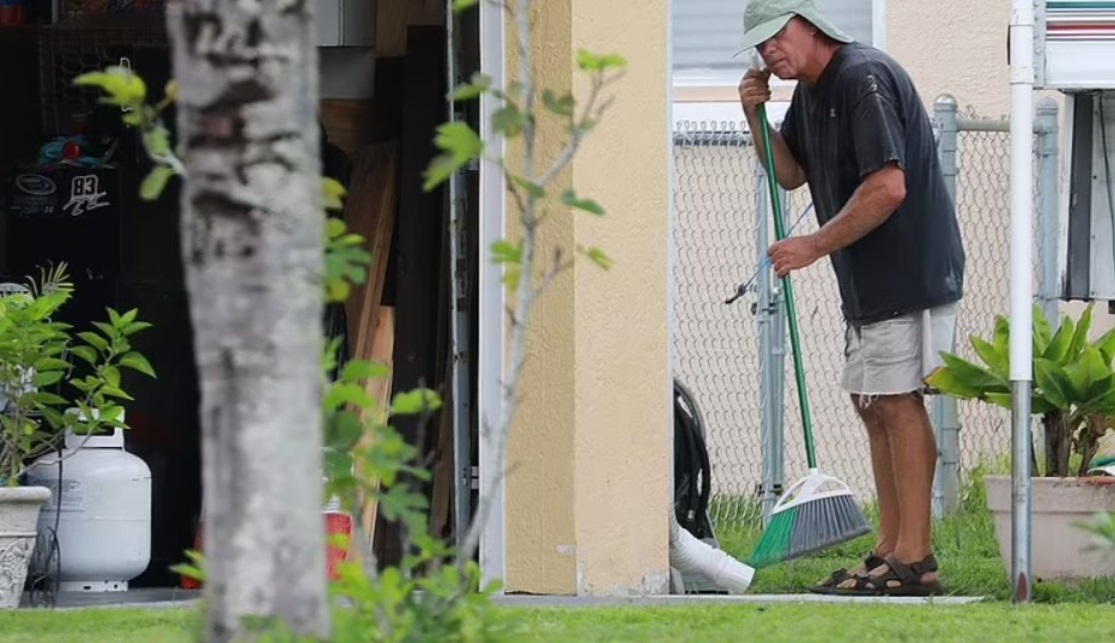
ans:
(252, 235)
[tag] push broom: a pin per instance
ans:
(817, 511)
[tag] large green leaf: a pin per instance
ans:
(1043, 332)
(947, 381)
(1038, 405)
(1001, 335)
(998, 362)
(974, 376)
(1090, 374)
(1106, 345)
(1058, 349)
(1054, 382)
(1080, 337)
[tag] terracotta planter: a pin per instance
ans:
(1059, 504)
(19, 517)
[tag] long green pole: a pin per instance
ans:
(788, 290)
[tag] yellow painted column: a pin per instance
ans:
(588, 491)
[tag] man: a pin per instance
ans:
(858, 134)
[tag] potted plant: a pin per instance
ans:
(1074, 395)
(43, 396)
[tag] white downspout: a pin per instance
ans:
(690, 555)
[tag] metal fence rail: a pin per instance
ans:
(737, 363)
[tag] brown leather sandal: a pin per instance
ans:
(871, 561)
(900, 579)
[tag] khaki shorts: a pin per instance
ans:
(895, 356)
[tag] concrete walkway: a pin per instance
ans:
(720, 599)
(177, 598)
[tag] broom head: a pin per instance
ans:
(817, 512)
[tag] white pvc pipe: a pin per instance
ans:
(1021, 289)
(690, 555)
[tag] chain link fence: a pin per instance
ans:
(740, 369)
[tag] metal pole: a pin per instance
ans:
(946, 416)
(1047, 208)
(778, 367)
(1021, 289)
(764, 312)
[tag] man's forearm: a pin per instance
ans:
(871, 204)
(786, 168)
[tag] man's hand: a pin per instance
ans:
(793, 253)
(754, 88)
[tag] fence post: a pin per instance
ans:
(945, 416)
(1047, 144)
(764, 313)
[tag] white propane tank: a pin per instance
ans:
(103, 512)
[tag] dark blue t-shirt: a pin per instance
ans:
(863, 113)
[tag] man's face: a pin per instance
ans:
(788, 51)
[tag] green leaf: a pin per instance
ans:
(414, 402)
(117, 392)
(137, 362)
(157, 141)
(997, 363)
(50, 364)
(1106, 345)
(92, 339)
(45, 398)
(347, 393)
(504, 252)
(1043, 332)
(462, 5)
(1083, 325)
(343, 431)
(460, 145)
(338, 464)
(135, 327)
(358, 369)
(1089, 374)
(589, 61)
(155, 181)
(123, 86)
(948, 382)
(512, 276)
(597, 256)
(562, 106)
(479, 84)
(46, 378)
(509, 120)
(974, 376)
(111, 375)
(534, 190)
(332, 195)
(570, 199)
(1058, 349)
(1053, 381)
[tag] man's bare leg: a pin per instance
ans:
(913, 456)
(886, 491)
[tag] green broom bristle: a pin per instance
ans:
(808, 528)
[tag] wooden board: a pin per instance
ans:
(370, 211)
(348, 123)
(382, 346)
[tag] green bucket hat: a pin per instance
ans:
(765, 18)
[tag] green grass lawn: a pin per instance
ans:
(988, 622)
(964, 543)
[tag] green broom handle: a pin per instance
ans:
(788, 290)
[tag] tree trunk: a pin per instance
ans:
(1058, 444)
(252, 243)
